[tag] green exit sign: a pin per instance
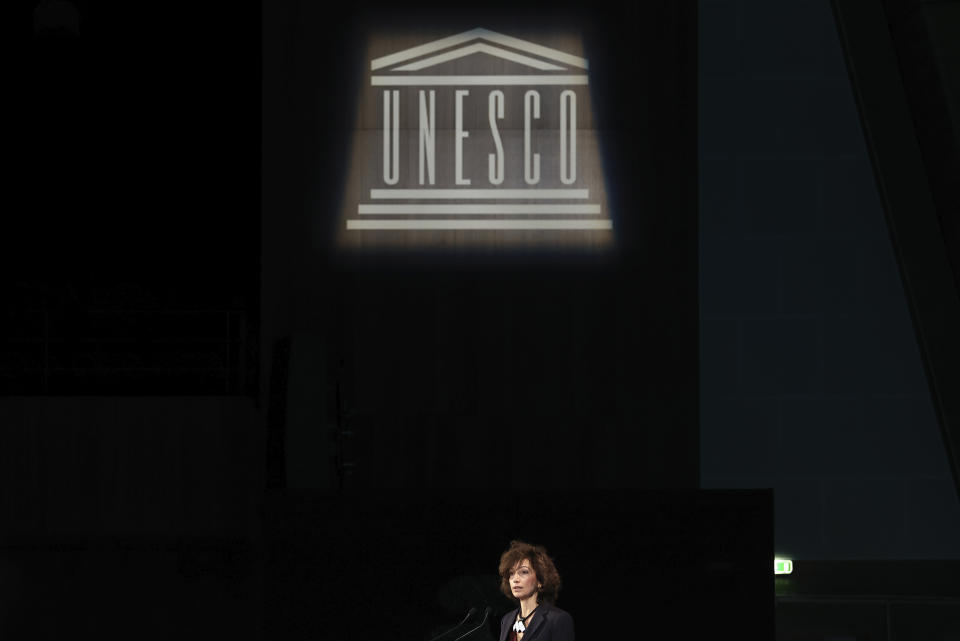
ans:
(782, 566)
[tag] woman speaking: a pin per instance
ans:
(528, 576)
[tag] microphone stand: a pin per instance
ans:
(486, 613)
(469, 614)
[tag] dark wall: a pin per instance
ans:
(812, 381)
(139, 467)
(130, 516)
(134, 246)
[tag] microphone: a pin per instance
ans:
(486, 613)
(469, 614)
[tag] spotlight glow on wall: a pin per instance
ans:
(478, 138)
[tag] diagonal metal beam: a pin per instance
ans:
(909, 208)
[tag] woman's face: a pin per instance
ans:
(523, 580)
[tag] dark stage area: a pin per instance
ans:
(398, 565)
(263, 377)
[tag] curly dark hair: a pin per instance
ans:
(543, 566)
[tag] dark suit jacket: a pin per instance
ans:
(549, 623)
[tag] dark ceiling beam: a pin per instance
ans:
(910, 206)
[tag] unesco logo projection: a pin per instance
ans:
(476, 137)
